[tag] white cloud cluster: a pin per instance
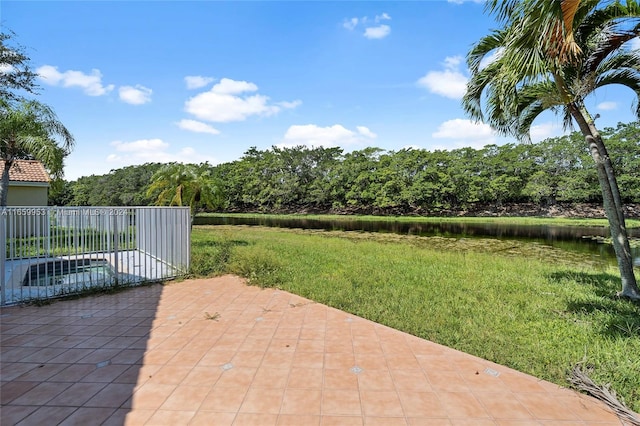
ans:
(153, 151)
(197, 126)
(197, 81)
(137, 95)
(465, 133)
(373, 28)
(312, 135)
(450, 82)
(351, 24)
(231, 100)
(381, 31)
(91, 84)
(290, 105)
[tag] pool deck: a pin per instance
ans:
(219, 352)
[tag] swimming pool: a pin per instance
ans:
(47, 277)
(69, 272)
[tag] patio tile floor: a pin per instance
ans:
(219, 352)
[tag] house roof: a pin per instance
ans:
(27, 171)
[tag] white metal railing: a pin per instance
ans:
(54, 251)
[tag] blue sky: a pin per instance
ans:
(164, 81)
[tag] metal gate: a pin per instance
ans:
(55, 251)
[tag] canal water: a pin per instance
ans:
(581, 239)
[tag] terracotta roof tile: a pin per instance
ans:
(27, 171)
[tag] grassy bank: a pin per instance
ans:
(551, 221)
(526, 306)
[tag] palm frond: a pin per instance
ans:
(608, 43)
(567, 119)
(484, 49)
(472, 99)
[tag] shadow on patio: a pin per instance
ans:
(217, 352)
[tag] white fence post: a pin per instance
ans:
(3, 254)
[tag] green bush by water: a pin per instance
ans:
(536, 309)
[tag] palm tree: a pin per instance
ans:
(31, 130)
(190, 185)
(551, 55)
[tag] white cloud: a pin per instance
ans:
(91, 84)
(233, 87)
(197, 81)
(607, 106)
(197, 126)
(312, 135)
(634, 43)
(452, 62)
(543, 131)
(381, 31)
(350, 24)
(450, 83)
(459, 128)
(364, 131)
(372, 31)
(465, 133)
(290, 105)
(137, 95)
(152, 151)
(465, 1)
(227, 101)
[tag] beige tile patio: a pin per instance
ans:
(158, 355)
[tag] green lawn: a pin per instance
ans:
(536, 309)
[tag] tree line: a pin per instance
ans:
(372, 180)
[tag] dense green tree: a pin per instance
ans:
(356, 183)
(624, 148)
(120, 187)
(551, 55)
(190, 185)
(408, 181)
(60, 193)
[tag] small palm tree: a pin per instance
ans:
(31, 130)
(551, 55)
(190, 185)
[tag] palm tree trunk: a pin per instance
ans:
(617, 227)
(608, 166)
(612, 204)
(4, 183)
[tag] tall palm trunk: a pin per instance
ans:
(612, 202)
(4, 183)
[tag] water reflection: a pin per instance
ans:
(581, 239)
